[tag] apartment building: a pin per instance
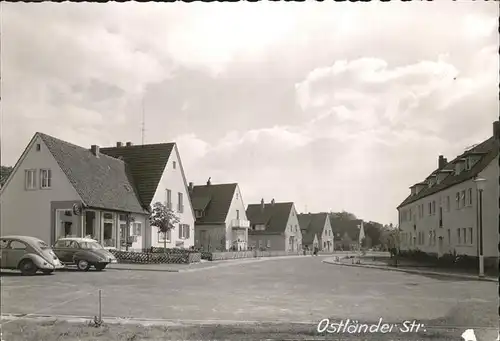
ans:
(441, 214)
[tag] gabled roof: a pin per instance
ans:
(343, 226)
(313, 223)
(214, 200)
(146, 164)
(274, 216)
(488, 150)
(102, 182)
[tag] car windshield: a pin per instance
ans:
(90, 245)
(43, 246)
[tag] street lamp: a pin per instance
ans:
(480, 185)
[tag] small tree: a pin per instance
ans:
(164, 218)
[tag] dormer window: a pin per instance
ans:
(198, 213)
(468, 163)
(260, 227)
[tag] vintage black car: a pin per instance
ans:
(83, 253)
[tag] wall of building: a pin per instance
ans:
(293, 229)
(215, 237)
(454, 219)
(327, 236)
(174, 180)
(276, 242)
(237, 208)
(28, 212)
(490, 209)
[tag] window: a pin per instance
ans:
(463, 198)
(38, 147)
(17, 245)
(469, 197)
(268, 243)
(470, 236)
(433, 207)
(184, 231)
(457, 199)
(30, 179)
(137, 229)
(199, 213)
(174, 164)
(168, 199)
(45, 178)
(410, 214)
(260, 244)
(464, 235)
(237, 196)
(180, 205)
(238, 214)
(467, 164)
(449, 236)
(430, 208)
(448, 203)
(458, 236)
(162, 235)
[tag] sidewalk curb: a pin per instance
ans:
(139, 269)
(418, 272)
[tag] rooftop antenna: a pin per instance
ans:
(143, 120)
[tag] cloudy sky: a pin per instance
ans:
(332, 106)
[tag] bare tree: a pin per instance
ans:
(165, 219)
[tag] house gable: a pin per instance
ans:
(38, 156)
(173, 180)
(237, 207)
(28, 212)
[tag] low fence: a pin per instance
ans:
(212, 256)
(156, 257)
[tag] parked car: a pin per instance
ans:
(27, 254)
(83, 252)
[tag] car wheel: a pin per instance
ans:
(100, 267)
(47, 272)
(28, 268)
(83, 265)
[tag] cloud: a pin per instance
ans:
(320, 103)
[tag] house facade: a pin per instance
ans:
(441, 214)
(221, 221)
(274, 226)
(69, 190)
(317, 231)
(58, 189)
(159, 177)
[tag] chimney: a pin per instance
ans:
(496, 130)
(128, 144)
(209, 182)
(119, 144)
(262, 204)
(272, 202)
(190, 188)
(95, 150)
(442, 161)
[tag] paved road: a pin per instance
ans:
(286, 290)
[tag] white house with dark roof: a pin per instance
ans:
(317, 231)
(441, 214)
(59, 189)
(274, 226)
(221, 220)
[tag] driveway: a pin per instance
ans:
(284, 290)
